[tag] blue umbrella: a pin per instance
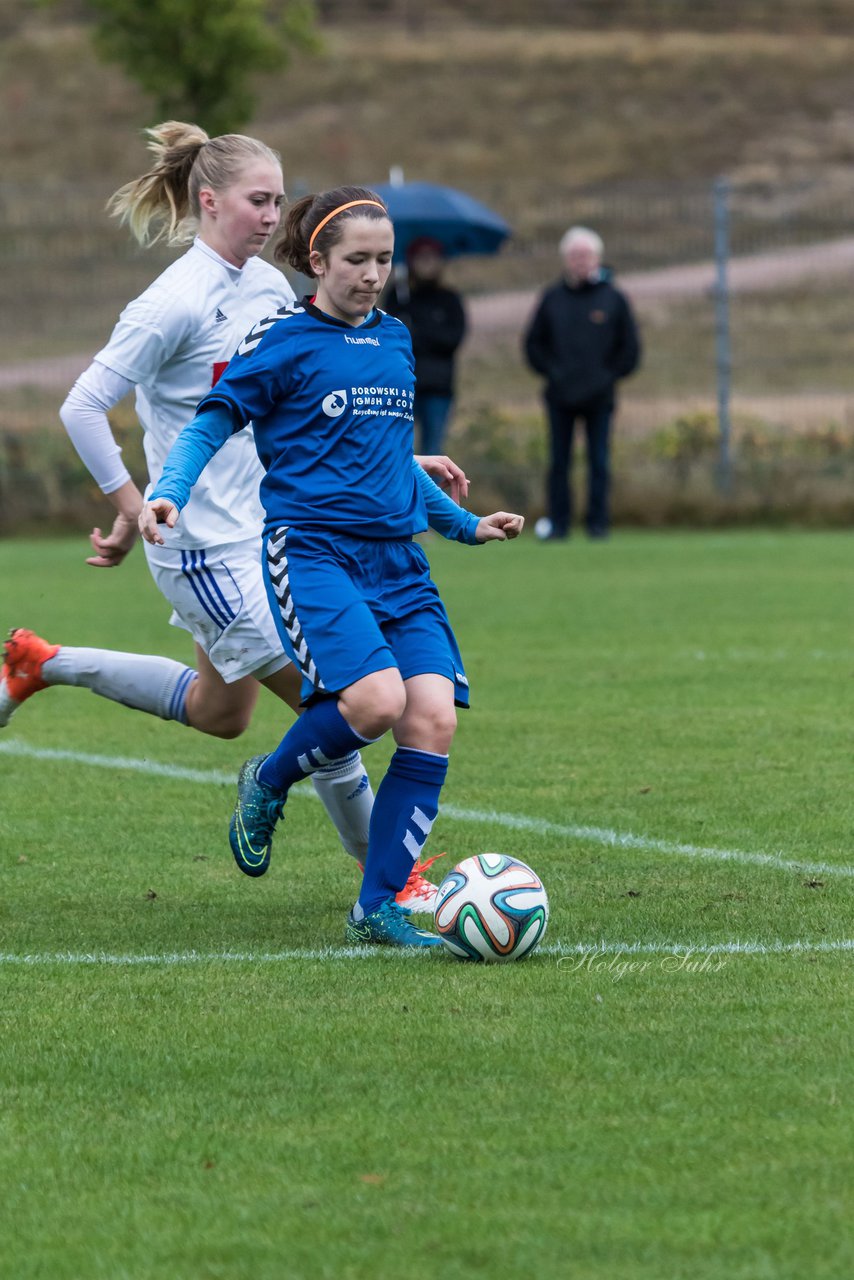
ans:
(460, 223)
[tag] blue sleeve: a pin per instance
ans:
(443, 514)
(192, 452)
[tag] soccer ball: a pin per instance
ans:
(491, 907)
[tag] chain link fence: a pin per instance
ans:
(827, 16)
(66, 272)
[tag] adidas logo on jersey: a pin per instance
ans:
(219, 316)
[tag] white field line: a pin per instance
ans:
(586, 954)
(509, 821)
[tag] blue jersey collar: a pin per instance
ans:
(371, 322)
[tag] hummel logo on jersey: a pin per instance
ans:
(256, 333)
(219, 316)
(361, 342)
(334, 404)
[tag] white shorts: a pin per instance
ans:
(218, 595)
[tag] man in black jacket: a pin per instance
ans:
(582, 339)
(436, 320)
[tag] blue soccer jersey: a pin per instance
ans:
(331, 407)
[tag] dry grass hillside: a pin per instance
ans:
(520, 116)
(621, 115)
(533, 120)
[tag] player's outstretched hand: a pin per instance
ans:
(446, 474)
(111, 548)
(500, 526)
(160, 511)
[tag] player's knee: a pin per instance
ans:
(430, 728)
(381, 714)
(439, 729)
(227, 725)
(374, 704)
(232, 730)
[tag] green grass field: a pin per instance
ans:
(198, 1080)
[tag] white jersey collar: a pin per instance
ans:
(235, 273)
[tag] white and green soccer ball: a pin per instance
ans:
(491, 907)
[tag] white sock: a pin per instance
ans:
(139, 680)
(346, 793)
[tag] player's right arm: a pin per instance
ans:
(148, 332)
(84, 416)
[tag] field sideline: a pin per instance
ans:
(199, 1079)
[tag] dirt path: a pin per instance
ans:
(505, 314)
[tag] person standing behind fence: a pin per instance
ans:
(436, 320)
(583, 339)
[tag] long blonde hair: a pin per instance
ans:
(163, 204)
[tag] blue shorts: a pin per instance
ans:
(346, 607)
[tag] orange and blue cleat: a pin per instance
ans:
(419, 893)
(24, 655)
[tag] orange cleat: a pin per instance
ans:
(24, 655)
(419, 893)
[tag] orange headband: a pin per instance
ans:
(341, 209)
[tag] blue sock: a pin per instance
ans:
(319, 736)
(405, 809)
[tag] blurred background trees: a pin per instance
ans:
(619, 116)
(199, 59)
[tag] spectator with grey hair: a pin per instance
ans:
(582, 339)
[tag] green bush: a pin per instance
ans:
(44, 487)
(669, 476)
(504, 456)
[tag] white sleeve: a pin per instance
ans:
(84, 416)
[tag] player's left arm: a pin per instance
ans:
(451, 521)
(84, 416)
(446, 474)
(499, 527)
(444, 516)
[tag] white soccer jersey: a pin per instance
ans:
(172, 342)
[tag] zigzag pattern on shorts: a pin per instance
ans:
(277, 565)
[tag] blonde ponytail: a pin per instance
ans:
(163, 204)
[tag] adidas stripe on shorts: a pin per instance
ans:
(218, 595)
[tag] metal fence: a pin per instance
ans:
(827, 16)
(760, 341)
